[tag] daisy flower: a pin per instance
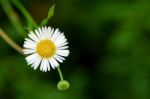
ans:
(45, 48)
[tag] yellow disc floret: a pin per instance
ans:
(46, 48)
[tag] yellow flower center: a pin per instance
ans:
(46, 48)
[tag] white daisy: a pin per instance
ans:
(45, 48)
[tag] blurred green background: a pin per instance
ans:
(110, 51)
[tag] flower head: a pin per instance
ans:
(45, 48)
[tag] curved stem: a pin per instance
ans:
(8, 40)
(24, 12)
(60, 74)
(11, 14)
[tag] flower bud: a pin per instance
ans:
(63, 85)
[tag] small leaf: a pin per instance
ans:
(30, 26)
(29, 29)
(50, 15)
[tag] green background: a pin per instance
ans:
(110, 51)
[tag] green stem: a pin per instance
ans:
(25, 13)
(60, 73)
(8, 40)
(12, 16)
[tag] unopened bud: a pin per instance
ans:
(63, 85)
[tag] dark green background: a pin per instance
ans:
(110, 51)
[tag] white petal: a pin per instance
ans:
(37, 63)
(45, 32)
(31, 58)
(28, 51)
(55, 35)
(29, 45)
(61, 36)
(33, 37)
(51, 63)
(48, 66)
(49, 32)
(44, 65)
(41, 32)
(54, 63)
(60, 39)
(63, 47)
(62, 52)
(59, 58)
(29, 41)
(63, 44)
(38, 34)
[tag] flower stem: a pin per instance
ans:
(60, 73)
(8, 40)
(25, 13)
(11, 14)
